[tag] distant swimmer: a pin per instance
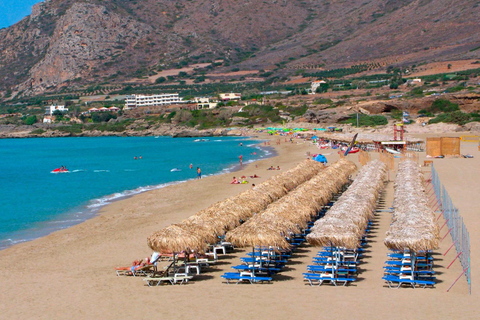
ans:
(134, 158)
(191, 166)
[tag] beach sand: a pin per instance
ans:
(70, 273)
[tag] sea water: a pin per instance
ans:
(34, 201)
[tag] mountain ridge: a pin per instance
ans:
(76, 42)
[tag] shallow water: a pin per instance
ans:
(34, 201)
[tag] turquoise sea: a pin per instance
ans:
(35, 202)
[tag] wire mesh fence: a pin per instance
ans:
(456, 226)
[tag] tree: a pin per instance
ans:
(393, 85)
(323, 87)
(30, 120)
(58, 115)
(160, 80)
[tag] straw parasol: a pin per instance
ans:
(414, 226)
(176, 238)
(345, 223)
(255, 234)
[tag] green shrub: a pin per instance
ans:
(30, 120)
(366, 120)
(160, 80)
(443, 105)
(37, 131)
(417, 92)
(241, 114)
(72, 129)
(457, 117)
(323, 101)
(103, 116)
(297, 111)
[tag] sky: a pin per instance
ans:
(12, 11)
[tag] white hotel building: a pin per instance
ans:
(140, 100)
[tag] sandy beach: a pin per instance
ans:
(70, 273)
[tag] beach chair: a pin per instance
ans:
(156, 281)
(396, 282)
(244, 277)
(181, 278)
(137, 271)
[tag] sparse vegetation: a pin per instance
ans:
(366, 120)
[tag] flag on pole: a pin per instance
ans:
(351, 144)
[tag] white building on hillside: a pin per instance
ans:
(315, 85)
(205, 102)
(140, 100)
(230, 96)
(51, 109)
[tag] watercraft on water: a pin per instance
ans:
(60, 170)
(175, 169)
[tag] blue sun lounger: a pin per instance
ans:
(240, 277)
(315, 278)
(267, 270)
(394, 280)
(317, 269)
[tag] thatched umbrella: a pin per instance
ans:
(256, 234)
(176, 238)
(413, 227)
(413, 222)
(346, 221)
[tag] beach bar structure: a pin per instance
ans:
(444, 146)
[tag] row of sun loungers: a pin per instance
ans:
(335, 265)
(179, 269)
(404, 268)
(260, 265)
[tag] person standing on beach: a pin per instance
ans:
(199, 173)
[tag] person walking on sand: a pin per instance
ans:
(199, 173)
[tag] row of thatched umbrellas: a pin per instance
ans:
(346, 221)
(291, 213)
(203, 228)
(413, 227)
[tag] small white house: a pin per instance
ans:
(414, 81)
(205, 102)
(51, 109)
(230, 96)
(315, 85)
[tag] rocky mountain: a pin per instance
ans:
(72, 42)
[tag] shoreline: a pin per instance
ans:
(93, 207)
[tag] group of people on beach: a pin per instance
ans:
(273, 168)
